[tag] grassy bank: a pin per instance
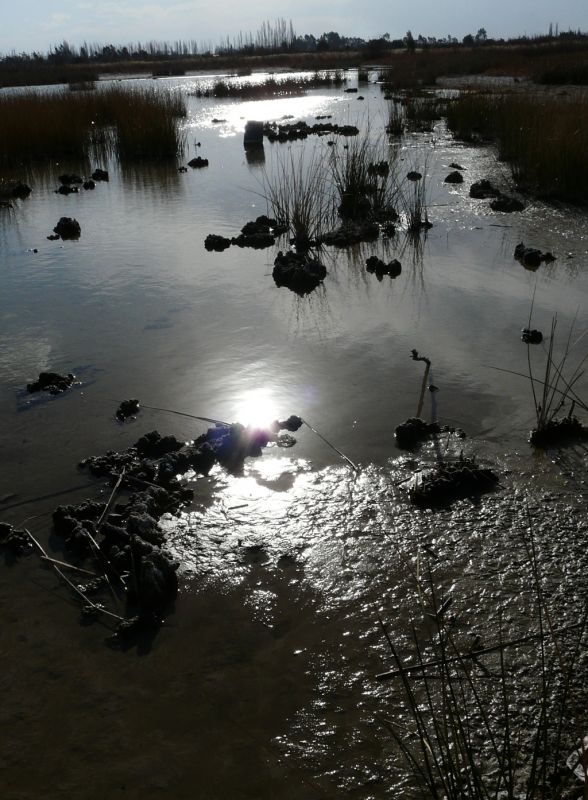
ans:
(131, 124)
(543, 137)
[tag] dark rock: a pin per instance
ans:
(300, 130)
(380, 168)
(380, 268)
(100, 175)
(53, 237)
(482, 190)
(21, 191)
(354, 206)
(451, 481)
(414, 176)
(182, 169)
(154, 445)
(14, 541)
(216, 121)
(67, 179)
(264, 225)
(51, 382)
(67, 190)
(68, 228)
(453, 165)
(414, 431)
(531, 336)
(298, 271)
(454, 177)
(559, 432)
(293, 423)
(89, 185)
(258, 241)
(352, 232)
(506, 204)
(360, 97)
(216, 242)
(531, 257)
(157, 582)
(350, 91)
(127, 409)
(198, 162)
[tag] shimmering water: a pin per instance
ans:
(261, 684)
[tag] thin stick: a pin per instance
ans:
(578, 400)
(71, 585)
(415, 357)
(474, 654)
(69, 566)
(184, 414)
(332, 446)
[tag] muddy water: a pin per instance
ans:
(262, 682)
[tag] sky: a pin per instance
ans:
(28, 25)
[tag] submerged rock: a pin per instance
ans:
(380, 268)
(453, 165)
(51, 382)
(413, 176)
(88, 185)
(67, 190)
(198, 162)
(68, 228)
(298, 271)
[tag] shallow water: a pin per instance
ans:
(261, 684)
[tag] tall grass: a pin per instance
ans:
(298, 195)
(470, 723)
(130, 124)
(545, 138)
(364, 178)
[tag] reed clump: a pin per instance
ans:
(364, 179)
(488, 720)
(128, 124)
(271, 87)
(298, 195)
(543, 137)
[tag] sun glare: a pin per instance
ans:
(257, 408)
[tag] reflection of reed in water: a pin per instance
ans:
(255, 156)
(154, 177)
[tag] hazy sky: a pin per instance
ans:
(27, 25)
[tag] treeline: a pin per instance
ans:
(272, 37)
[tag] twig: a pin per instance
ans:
(415, 357)
(69, 566)
(332, 446)
(184, 414)
(71, 585)
(473, 654)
